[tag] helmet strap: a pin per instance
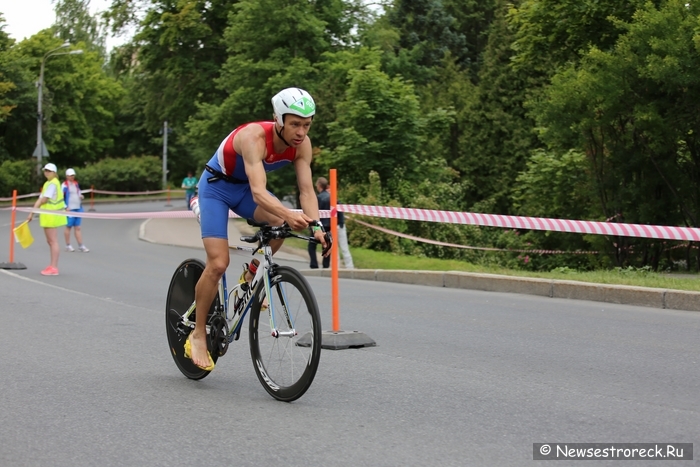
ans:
(280, 135)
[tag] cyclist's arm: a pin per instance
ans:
(252, 148)
(307, 194)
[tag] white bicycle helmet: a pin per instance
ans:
(293, 101)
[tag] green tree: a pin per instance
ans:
(74, 23)
(266, 53)
(452, 95)
(426, 35)
(472, 20)
(377, 129)
(180, 53)
(334, 76)
(6, 84)
(550, 33)
(17, 100)
(555, 185)
(630, 110)
(498, 134)
(80, 102)
(170, 65)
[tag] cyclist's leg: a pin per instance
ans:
(204, 293)
(215, 200)
(262, 215)
(248, 209)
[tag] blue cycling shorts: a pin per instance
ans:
(74, 221)
(215, 200)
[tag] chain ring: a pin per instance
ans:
(218, 335)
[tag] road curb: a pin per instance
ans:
(553, 288)
(168, 231)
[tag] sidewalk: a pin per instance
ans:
(185, 232)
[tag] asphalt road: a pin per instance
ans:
(458, 377)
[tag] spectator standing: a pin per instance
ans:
(343, 242)
(74, 201)
(324, 204)
(189, 183)
(51, 199)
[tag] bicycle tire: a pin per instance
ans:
(180, 297)
(285, 365)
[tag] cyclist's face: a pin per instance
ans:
(295, 129)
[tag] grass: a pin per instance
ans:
(369, 259)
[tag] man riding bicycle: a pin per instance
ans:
(235, 178)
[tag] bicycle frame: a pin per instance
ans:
(235, 320)
(284, 362)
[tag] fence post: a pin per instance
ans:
(13, 216)
(92, 198)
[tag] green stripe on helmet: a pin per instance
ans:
(305, 106)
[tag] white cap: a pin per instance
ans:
(51, 167)
(70, 172)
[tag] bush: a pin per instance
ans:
(18, 175)
(131, 174)
(439, 194)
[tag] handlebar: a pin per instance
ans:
(268, 233)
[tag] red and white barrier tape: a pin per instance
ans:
(528, 223)
(30, 195)
(104, 192)
(454, 245)
(453, 217)
(132, 215)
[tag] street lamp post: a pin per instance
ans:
(40, 150)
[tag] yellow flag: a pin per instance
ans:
(23, 235)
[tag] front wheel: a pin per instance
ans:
(285, 354)
(180, 299)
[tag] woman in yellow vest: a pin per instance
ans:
(51, 199)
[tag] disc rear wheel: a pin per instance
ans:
(180, 298)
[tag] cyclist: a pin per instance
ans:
(235, 178)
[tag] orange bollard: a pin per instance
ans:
(11, 264)
(337, 339)
(334, 252)
(12, 226)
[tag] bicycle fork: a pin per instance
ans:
(285, 310)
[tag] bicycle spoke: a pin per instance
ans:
(285, 367)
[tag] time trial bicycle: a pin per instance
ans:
(284, 329)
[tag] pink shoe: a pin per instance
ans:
(50, 271)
